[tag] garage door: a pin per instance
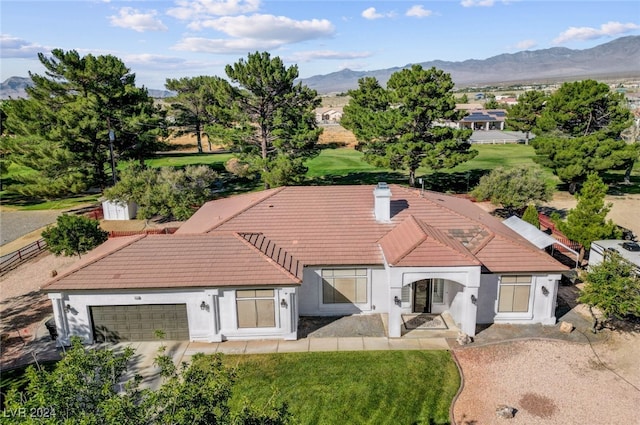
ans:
(138, 322)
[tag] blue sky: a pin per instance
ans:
(181, 38)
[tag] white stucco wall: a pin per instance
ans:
(541, 307)
(310, 294)
(217, 323)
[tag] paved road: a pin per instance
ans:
(14, 224)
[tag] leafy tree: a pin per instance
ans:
(513, 188)
(491, 102)
(71, 109)
(613, 287)
(464, 99)
(397, 127)
(199, 101)
(523, 115)
(578, 132)
(587, 221)
(88, 387)
(531, 216)
(273, 126)
(74, 235)
(166, 191)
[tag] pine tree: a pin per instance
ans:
(397, 127)
(587, 221)
(531, 216)
(273, 126)
(72, 109)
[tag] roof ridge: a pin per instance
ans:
(98, 258)
(466, 217)
(439, 236)
(416, 244)
(253, 204)
(270, 244)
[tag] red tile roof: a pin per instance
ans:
(174, 261)
(267, 237)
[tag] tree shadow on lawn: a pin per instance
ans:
(358, 178)
(458, 182)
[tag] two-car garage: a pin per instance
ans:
(139, 322)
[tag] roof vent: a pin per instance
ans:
(382, 202)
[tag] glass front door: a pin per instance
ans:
(422, 296)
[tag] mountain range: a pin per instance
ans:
(619, 58)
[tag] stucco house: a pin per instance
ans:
(248, 266)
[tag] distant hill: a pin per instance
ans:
(15, 88)
(617, 58)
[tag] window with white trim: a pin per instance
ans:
(514, 294)
(344, 286)
(256, 308)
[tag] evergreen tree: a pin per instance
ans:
(273, 127)
(72, 108)
(587, 221)
(199, 101)
(74, 235)
(523, 115)
(531, 216)
(578, 132)
(397, 127)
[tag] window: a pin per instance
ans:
(256, 308)
(344, 286)
(438, 291)
(514, 294)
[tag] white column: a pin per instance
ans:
(395, 313)
(213, 299)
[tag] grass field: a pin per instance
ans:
(344, 165)
(376, 387)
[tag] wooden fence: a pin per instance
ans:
(547, 224)
(120, 233)
(14, 259)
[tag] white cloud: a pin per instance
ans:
(479, 3)
(311, 55)
(222, 46)
(13, 47)
(525, 44)
(418, 11)
(371, 13)
(271, 27)
(589, 33)
(133, 19)
(198, 9)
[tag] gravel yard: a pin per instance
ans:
(550, 382)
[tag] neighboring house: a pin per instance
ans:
(629, 250)
(328, 115)
(248, 266)
(484, 119)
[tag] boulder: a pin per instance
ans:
(464, 339)
(505, 412)
(566, 327)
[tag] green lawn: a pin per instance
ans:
(180, 160)
(363, 387)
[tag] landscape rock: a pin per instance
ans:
(464, 339)
(566, 327)
(505, 412)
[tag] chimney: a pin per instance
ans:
(382, 205)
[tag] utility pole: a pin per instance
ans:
(112, 138)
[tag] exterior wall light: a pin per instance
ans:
(473, 299)
(204, 306)
(67, 308)
(283, 303)
(397, 301)
(545, 291)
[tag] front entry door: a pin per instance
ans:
(422, 296)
